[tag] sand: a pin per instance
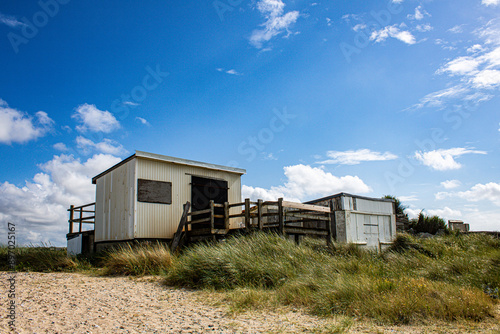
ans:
(79, 303)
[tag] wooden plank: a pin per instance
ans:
(198, 221)
(80, 229)
(329, 225)
(237, 215)
(177, 235)
(199, 212)
(307, 231)
(81, 206)
(306, 216)
(308, 207)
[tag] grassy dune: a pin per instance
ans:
(447, 278)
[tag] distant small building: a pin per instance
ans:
(458, 225)
(364, 221)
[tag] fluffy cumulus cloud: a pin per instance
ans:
(479, 193)
(94, 119)
(38, 208)
(107, 146)
(446, 213)
(451, 184)
(356, 157)
(444, 159)
(276, 22)
(420, 14)
(394, 32)
(19, 127)
(304, 182)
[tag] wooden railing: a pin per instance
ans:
(80, 215)
(284, 217)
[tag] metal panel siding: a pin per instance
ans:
(379, 207)
(115, 204)
(161, 220)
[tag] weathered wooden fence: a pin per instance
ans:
(84, 214)
(283, 217)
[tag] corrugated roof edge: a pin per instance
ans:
(350, 195)
(159, 157)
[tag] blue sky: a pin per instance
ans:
(312, 98)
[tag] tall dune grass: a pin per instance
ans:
(41, 258)
(446, 278)
(141, 259)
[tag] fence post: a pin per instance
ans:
(81, 221)
(281, 222)
(332, 224)
(247, 214)
(211, 216)
(259, 215)
(71, 216)
(226, 215)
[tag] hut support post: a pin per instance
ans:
(226, 215)
(81, 220)
(259, 215)
(281, 222)
(71, 217)
(212, 216)
(247, 213)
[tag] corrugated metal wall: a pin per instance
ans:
(161, 220)
(115, 200)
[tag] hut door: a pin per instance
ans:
(204, 190)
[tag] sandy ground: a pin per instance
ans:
(78, 303)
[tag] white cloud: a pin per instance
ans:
(143, 121)
(10, 21)
(478, 73)
(19, 127)
(107, 146)
(444, 159)
(424, 27)
(394, 32)
(487, 79)
(446, 213)
(475, 48)
(490, 2)
(233, 72)
(451, 184)
(458, 29)
(60, 147)
(130, 103)
(306, 182)
(461, 66)
(94, 119)
(478, 193)
(276, 21)
(39, 207)
(420, 14)
(411, 198)
(356, 157)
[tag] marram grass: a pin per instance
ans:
(446, 278)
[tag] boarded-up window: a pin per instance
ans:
(154, 191)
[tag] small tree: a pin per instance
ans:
(427, 224)
(400, 208)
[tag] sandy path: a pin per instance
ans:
(77, 303)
